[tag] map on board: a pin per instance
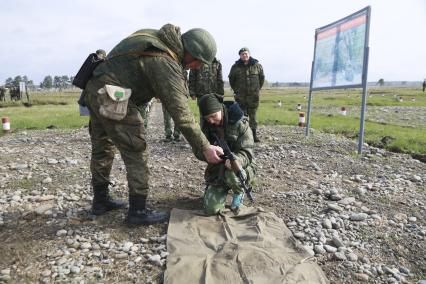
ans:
(339, 52)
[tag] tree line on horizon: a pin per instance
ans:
(49, 82)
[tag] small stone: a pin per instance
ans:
(5, 278)
(400, 217)
(404, 270)
(42, 209)
(16, 198)
(164, 254)
(47, 180)
(121, 255)
(337, 242)
(299, 235)
(127, 246)
(61, 233)
(352, 257)
(45, 198)
(46, 273)
(334, 207)
(329, 248)
(156, 259)
(361, 277)
(5, 271)
(358, 216)
(86, 245)
(75, 269)
(339, 256)
(412, 219)
(336, 197)
(326, 224)
(52, 161)
(144, 240)
(319, 249)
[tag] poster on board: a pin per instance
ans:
(339, 52)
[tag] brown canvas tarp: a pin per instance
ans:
(252, 247)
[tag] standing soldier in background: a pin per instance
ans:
(246, 79)
(148, 63)
(2, 94)
(424, 85)
(101, 53)
(171, 135)
(206, 80)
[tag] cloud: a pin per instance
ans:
(54, 37)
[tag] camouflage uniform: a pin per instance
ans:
(246, 81)
(144, 113)
(219, 179)
(156, 73)
(170, 134)
(206, 80)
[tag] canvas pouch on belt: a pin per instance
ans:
(113, 101)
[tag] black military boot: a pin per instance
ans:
(102, 202)
(140, 215)
(255, 138)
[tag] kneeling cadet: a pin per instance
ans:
(227, 122)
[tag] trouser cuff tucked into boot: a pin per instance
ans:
(139, 215)
(102, 202)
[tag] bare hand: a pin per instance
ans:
(212, 154)
(193, 98)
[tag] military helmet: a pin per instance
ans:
(200, 44)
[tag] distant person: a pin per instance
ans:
(27, 93)
(101, 53)
(424, 85)
(171, 130)
(246, 79)
(144, 111)
(205, 80)
(227, 122)
(148, 63)
(2, 94)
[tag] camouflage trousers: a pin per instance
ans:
(249, 105)
(144, 111)
(168, 122)
(215, 195)
(126, 135)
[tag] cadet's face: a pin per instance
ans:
(214, 118)
(244, 56)
(190, 62)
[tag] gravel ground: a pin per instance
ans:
(362, 218)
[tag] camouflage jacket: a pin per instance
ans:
(207, 79)
(246, 79)
(160, 75)
(237, 133)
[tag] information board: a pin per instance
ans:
(339, 52)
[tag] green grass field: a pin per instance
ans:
(61, 110)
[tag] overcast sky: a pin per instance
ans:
(53, 37)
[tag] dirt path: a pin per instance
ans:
(364, 219)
